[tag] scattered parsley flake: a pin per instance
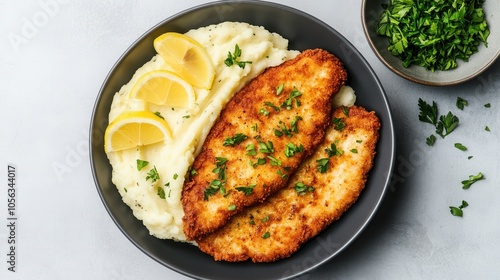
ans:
(460, 147)
(161, 193)
(247, 190)
(153, 175)
(141, 164)
(430, 140)
(461, 103)
(266, 235)
(472, 179)
(231, 207)
(232, 59)
(235, 140)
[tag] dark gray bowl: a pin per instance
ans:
(303, 31)
(370, 15)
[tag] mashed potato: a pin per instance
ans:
(163, 217)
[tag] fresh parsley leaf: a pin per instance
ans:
(487, 128)
(354, 151)
(460, 147)
(235, 140)
(461, 103)
(280, 88)
(153, 175)
(487, 105)
(292, 98)
(302, 188)
(141, 164)
(291, 149)
(338, 124)
(345, 109)
(428, 113)
(161, 193)
(270, 104)
(430, 140)
(159, 114)
(333, 150)
(274, 161)
(323, 164)
(457, 211)
(231, 207)
(251, 150)
(264, 112)
(232, 58)
(266, 148)
(266, 218)
(472, 179)
(266, 235)
(446, 124)
(248, 190)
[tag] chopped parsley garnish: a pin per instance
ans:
(232, 58)
(161, 193)
(214, 187)
(433, 34)
(487, 128)
(293, 124)
(302, 189)
(487, 105)
(338, 124)
(266, 235)
(159, 114)
(354, 151)
(269, 104)
(235, 140)
(248, 190)
(141, 164)
(186, 117)
(472, 179)
(266, 218)
(323, 164)
(430, 140)
(264, 112)
(231, 207)
(461, 103)
(260, 161)
(254, 127)
(282, 130)
(291, 149)
(220, 167)
(457, 211)
(251, 150)
(292, 98)
(280, 88)
(266, 148)
(345, 109)
(274, 161)
(446, 124)
(460, 147)
(153, 175)
(333, 150)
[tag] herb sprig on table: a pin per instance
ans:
(434, 33)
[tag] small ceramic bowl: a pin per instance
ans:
(478, 62)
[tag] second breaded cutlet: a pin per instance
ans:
(324, 187)
(260, 138)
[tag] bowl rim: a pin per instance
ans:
(412, 78)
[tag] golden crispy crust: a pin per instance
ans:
(317, 75)
(292, 219)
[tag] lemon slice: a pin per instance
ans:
(163, 87)
(133, 129)
(187, 58)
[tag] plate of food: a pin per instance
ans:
(269, 158)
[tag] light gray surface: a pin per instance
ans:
(50, 76)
